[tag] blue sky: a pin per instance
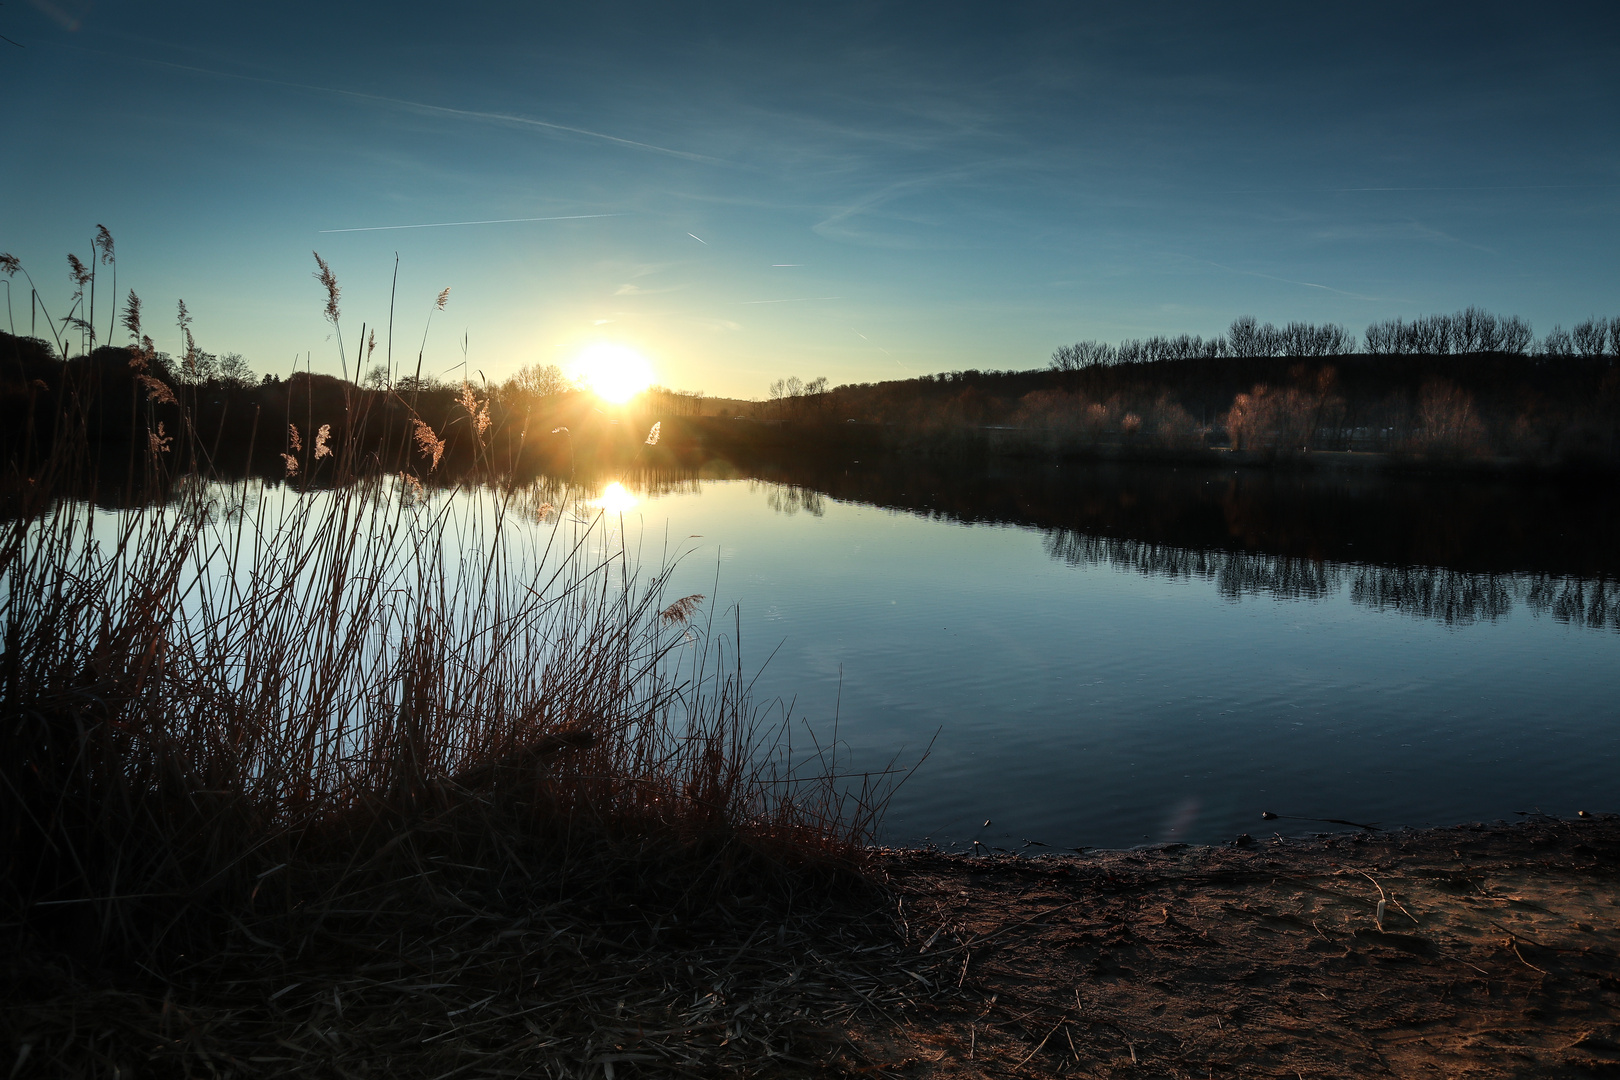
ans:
(856, 191)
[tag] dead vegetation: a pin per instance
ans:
(1476, 951)
(372, 781)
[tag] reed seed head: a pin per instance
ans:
(321, 437)
(141, 355)
(291, 463)
(429, 444)
(329, 282)
(292, 437)
(158, 441)
(157, 391)
(477, 411)
(438, 305)
(104, 241)
(682, 610)
(132, 315)
(652, 436)
(78, 271)
(9, 263)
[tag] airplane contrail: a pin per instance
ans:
(791, 300)
(699, 239)
(491, 221)
(432, 110)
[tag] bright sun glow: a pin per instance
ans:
(615, 499)
(614, 372)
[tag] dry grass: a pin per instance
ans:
(367, 782)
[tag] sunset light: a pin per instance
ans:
(614, 372)
(615, 499)
(971, 531)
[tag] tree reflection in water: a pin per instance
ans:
(1453, 597)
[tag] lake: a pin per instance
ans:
(1105, 656)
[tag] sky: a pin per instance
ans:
(867, 191)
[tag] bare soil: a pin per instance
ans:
(1498, 955)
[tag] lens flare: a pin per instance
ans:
(614, 372)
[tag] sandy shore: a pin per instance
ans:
(1498, 954)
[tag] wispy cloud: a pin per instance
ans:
(1285, 280)
(491, 221)
(630, 289)
(428, 109)
(792, 300)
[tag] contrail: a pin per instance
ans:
(699, 239)
(491, 221)
(868, 340)
(434, 110)
(787, 264)
(791, 300)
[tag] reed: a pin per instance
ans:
(372, 739)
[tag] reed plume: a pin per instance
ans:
(157, 391)
(328, 282)
(132, 316)
(477, 411)
(427, 443)
(158, 441)
(682, 610)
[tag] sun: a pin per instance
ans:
(615, 373)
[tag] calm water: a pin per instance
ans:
(1113, 656)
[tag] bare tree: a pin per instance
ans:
(1082, 354)
(1558, 342)
(1516, 335)
(234, 370)
(541, 380)
(1243, 336)
(1591, 337)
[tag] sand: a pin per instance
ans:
(1498, 954)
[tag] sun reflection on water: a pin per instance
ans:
(614, 499)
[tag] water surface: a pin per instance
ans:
(1113, 656)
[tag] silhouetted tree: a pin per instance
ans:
(1591, 337)
(1557, 343)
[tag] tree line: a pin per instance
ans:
(1471, 330)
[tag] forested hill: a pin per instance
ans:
(1530, 407)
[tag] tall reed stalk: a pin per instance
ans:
(230, 680)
